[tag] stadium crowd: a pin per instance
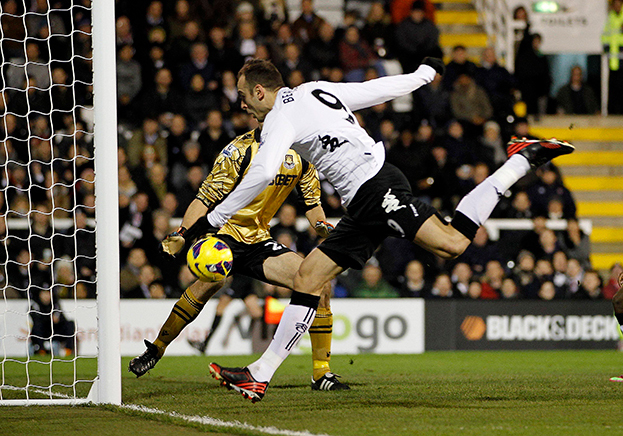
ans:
(178, 107)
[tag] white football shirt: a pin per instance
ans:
(317, 121)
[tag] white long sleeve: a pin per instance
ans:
(372, 92)
(273, 147)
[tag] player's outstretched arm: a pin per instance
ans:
(358, 96)
(277, 136)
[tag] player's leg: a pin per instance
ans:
(321, 333)
(223, 302)
(183, 313)
(476, 207)
(297, 317)
(617, 303)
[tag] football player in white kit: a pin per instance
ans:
(316, 119)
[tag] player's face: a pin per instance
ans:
(249, 100)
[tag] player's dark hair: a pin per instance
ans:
(263, 72)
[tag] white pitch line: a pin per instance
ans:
(200, 419)
(220, 423)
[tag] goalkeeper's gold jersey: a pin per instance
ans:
(250, 224)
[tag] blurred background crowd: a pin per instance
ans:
(178, 107)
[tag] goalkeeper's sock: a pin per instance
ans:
(320, 333)
(296, 319)
(474, 209)
(183, 313)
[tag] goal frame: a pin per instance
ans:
(106, 387)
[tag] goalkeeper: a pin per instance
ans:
(256, 254)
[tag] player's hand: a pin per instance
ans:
(323, 228)
(173, 243)
(435, 63)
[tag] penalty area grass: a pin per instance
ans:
(467, 393)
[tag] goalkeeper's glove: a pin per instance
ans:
(435, 63)
(174, 242)
(323, 228)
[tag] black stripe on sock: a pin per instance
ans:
(464, 225)
(619, 317)
(307, 300)
(192, 302)
(181, 313)
(311, 313)
(293, 341)
(316, 330)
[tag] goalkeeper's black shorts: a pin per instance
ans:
(383, 206)
(249, 258)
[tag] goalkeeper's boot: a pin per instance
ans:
(328, 382)
(198, 345)
(240, 380)
(146, 361)
(538, 151)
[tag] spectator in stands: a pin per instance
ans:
(162, 100)
(492, 280)
(247, 39)
(442, 287)
(414, 284)
(199, 100)
(559, 278)
(307, 25)
(199, 63)
(458, 66)
(293, 61)
(547, 291)
(372, 284)
(549, 185)
(378, 30)
(214, 137)
(416, 37)
(129, 273)
(493, 148)
(62, 97)
(32, 64)
(532, 73)
(470, 105)
(591, 286)
(223, 54)
(135, 223)
(461, 150)
(277, 44)
(575, 275)
(432, 103)
(356, 56)
(474, 290)
(524, 273)
(178, 52)
(576, 97)
(51, 332)
(461, 277)
(612, 285)
(229, 95)
(13, 31)
(129, 81)
(497, 82)
(509, 289)
(189, 190)
(147, 138)
(548, 244)
(178, 133)
(176, 21)
(322, 51)
(575, 243)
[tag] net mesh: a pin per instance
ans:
(47, 227)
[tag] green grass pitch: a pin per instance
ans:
(436, 393)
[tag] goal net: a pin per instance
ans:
(59, 326)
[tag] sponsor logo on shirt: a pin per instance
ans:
(390, 202)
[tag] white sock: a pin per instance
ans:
(295, 321)
(480, 202)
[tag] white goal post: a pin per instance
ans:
(53, 374)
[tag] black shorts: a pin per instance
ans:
(249, 258)
(383, 206)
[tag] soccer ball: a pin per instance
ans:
(210, 259)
